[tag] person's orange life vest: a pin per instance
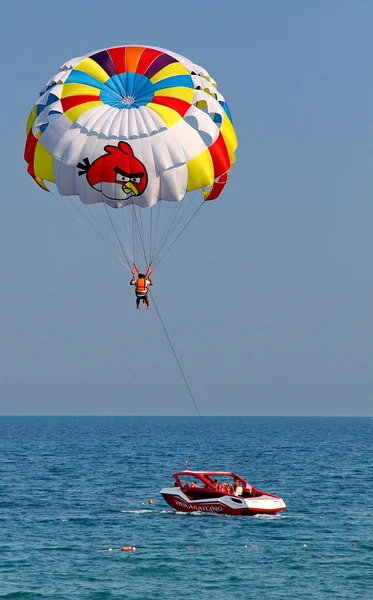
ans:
(141, 285)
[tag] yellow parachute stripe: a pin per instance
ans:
(90, 67)
(230, 138)
(74, 113)
(42, 184)
(200, 171)
(208, 91)
(43, 163)
(209, 79)
(170, 116)
(175, 68)
(79, 89)
(201, 104)
(31, 119)
(183, 93)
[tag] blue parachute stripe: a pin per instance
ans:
(51, 99)
(120, 83)
(175, 81)
(125, 86)
(226, 109)
(77, 76)
(112, 89)
(140, 82)
(130, 82)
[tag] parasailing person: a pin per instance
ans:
(142, 283)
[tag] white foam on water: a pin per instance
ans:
(139, 511)
(76, 518)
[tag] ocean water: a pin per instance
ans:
(73, 487)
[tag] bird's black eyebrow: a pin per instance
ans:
(118, 170)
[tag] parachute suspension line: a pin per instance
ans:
(176, 358)
(78, 210)
(141, 238)
(150, 240)
(100, 227)
(188, 203)
(159, 259)
(123, 235)
(118, 238)
(106, 237)
(125, 230)
(100, 232)
(158, 211)
(159, 204)
(134, 259)
(176, 221)
(139, 212)
(75, 209)
(171, 227)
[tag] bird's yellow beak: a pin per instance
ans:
(129, 187)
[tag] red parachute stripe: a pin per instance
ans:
(118, 56)
(148, 56)
(180, 106)
(220, 157)
(30, 171)
(71, 101)
(30, 146)
(217, 188)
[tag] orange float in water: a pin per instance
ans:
(127, 548)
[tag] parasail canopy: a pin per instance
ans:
(131, 126)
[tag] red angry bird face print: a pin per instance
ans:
(118, 174)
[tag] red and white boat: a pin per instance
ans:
(219, 492)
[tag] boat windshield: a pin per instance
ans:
(222, 482)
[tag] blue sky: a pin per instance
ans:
(271, 314)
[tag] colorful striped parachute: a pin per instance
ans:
(131, 126)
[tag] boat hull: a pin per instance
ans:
(223, 505)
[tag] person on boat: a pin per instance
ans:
(142, 284)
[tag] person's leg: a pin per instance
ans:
(146, 300)
(137, 302)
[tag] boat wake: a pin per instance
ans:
(148, 510)
(268, 517)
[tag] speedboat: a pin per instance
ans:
(219, 492)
